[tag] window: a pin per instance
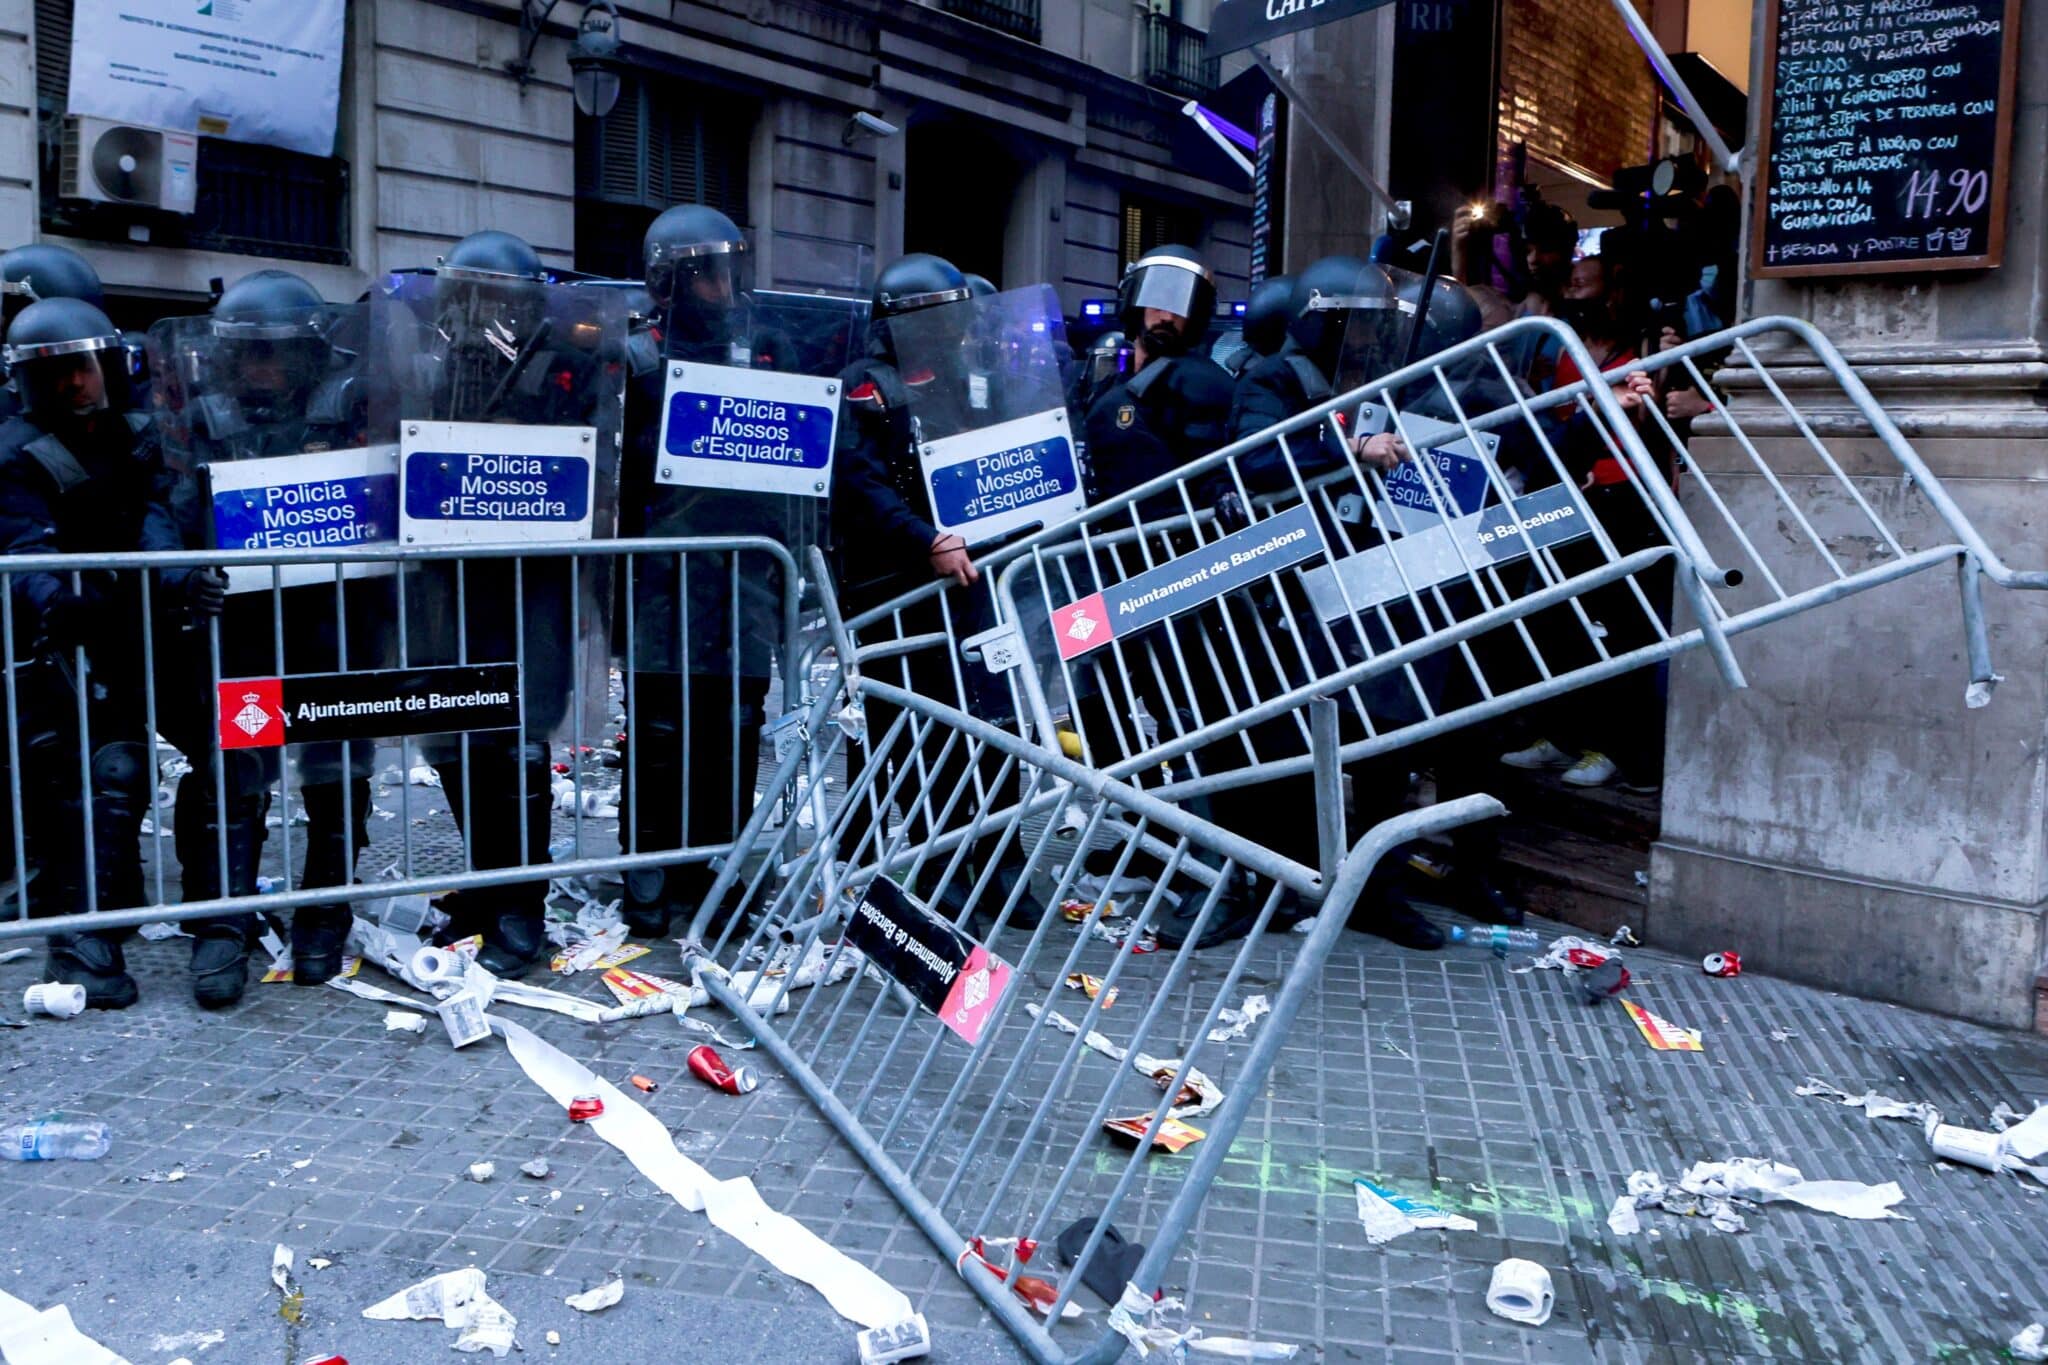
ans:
(652, 151)
(1011, 16)
(253, 200)
(1148, 223)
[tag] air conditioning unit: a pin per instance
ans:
(119, 163)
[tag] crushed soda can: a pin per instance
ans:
(707, 1066)
(584, 1108)
(1721, 964)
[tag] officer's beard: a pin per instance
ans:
(1165, 340)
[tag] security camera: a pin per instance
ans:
(874, 125)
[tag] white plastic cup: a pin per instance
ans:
(54, 998)
(1521, 1292)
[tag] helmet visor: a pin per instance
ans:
(1170, 285)
(71, 379)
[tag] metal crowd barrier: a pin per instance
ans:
(983, 1112)
(401, 858)
(1447, 612)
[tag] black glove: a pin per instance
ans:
(203, 591)
(71, 619)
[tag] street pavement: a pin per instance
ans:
(297, 1119)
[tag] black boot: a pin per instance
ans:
(1474, 893)
(514, 940)
(319, 933)
(220, 960)
(1384, 912)
(94, 961)
(648, 908)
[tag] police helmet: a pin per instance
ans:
(979, 286)
(919, 280)
(272, 328)
(44, 270)
(1173, 279)
(1108, 357)
(57, 348)
(1453, 314)
(1328, 292)
(1267, 313)
(492, 278)
(696, 269)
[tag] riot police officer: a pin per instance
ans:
(268, 375)
(1266, 315)
(501, 358)
(684, 612)
(1172, 408)
(42, 270)
(80, 473)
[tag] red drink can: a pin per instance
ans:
(584, 1108)
(707, 1066)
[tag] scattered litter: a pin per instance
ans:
(456, 1298)
(1197, 1094)
(14, 954)
(1621, 1219)
(1570, 954)
(1091, 987)
(602, 950)
(462, 1014)
(2018, 1148)
(170, 1177)
(1235, 1022)
(554, 1338)
(318, 1262)
(909, 1339)
(643, 1083)
(1521, 1292)
(293, 1306)
(404, 1021)
(1162, 1326)
(1387, 1215)
(419, 775)
(536, 1169)
(1870, 1102)
(54, 999)
(482, 1171)
(1722, 964)
(584, 1108)
(1661, 1034)
(302, 1164)
(1625, 937)
(161, 930)
(2002, 1118)
(1173, 1135)
(1768, 1182)
(2029, 1343)
(598, 1299)
(188, 1341)
(1604, 982)
(27, 1335)
(707, 1066)
(1782, 1035)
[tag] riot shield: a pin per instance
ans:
(508, 399)
(987, 379)
(738, 439)
(269, 425)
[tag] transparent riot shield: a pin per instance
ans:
(507, 395)
(269, 424)
(987, 379)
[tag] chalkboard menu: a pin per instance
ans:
(1885, 128)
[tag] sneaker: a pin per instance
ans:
(96, 963)
(1593, 769)
(1541, 754)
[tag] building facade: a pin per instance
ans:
(1037, 142)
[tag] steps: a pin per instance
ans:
(1576, 854)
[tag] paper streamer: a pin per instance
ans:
(735, 1207)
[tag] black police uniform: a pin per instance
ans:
(693, 703)
(81, 485)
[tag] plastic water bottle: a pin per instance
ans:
(55, 1138)
(1498, 937)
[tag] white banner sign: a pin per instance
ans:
(252, 70)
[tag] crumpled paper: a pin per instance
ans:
(2029, 1343)
(1870, 1102)
(1387, 1215)
(456, 1298)
(1769, 1182)
(1151, 1326)
(598, 1299)
(1235, 1022)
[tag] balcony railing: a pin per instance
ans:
(1011, 16)
(1174, 57)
